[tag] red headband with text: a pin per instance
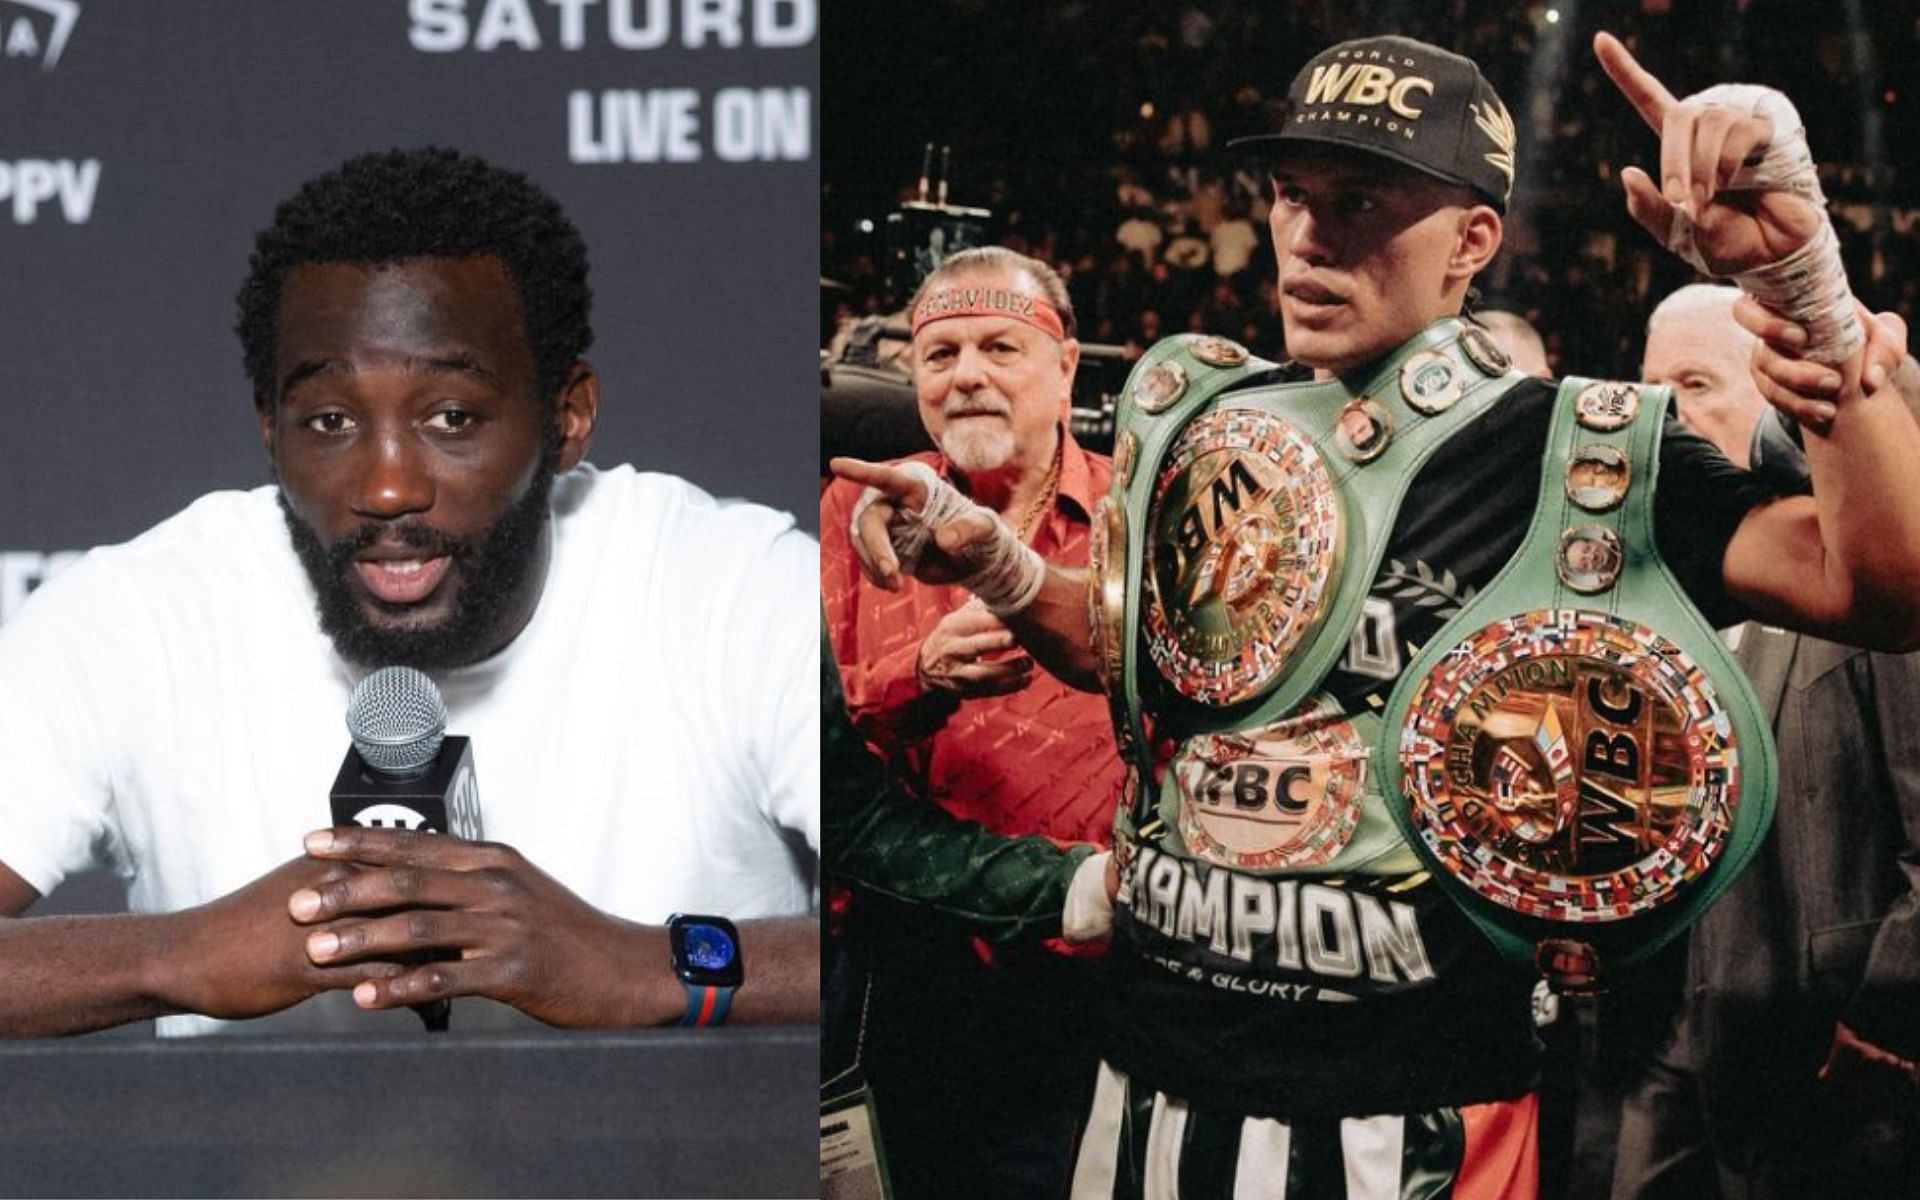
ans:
(942, 303)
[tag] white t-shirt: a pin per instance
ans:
(170, 707)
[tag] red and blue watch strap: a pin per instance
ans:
(706, 1005)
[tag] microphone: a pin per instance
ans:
(404, 772)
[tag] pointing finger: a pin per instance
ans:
(900, 485)
(1649, 97)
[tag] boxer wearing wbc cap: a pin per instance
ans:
(1301, 1007)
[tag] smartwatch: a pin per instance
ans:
(706, 957)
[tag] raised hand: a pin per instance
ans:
(1703, 145)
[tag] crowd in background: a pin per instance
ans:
(1098, 137)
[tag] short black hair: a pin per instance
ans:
(429, 203)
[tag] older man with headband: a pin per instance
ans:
(980, 1074)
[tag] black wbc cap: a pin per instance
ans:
(1418, 105)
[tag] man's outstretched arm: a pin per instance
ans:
(238, 956)
(1845, 563)
(874, 833)
(971, 546)
(1738, 197)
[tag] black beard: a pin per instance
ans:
(494, 576)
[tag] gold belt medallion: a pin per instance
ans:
(1245, 552)
(1286, 795)
(1570, 765)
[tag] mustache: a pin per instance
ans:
(978, 410)
(413, 535)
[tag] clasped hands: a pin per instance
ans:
(364, 909)
(969, 654)
(521, 937)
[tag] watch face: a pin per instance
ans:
(706, 951)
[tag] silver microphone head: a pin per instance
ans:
(397, 720)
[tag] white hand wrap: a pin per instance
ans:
(1809, 286)
(1088, 915)
(1004, 572)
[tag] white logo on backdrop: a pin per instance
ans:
(29, 183)
(42, 35)
(667, 125)
(653, 125)
(444, 26)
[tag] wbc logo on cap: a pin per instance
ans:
(1369, 84)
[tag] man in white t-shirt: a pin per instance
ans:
(624, 652)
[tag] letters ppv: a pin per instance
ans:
(28, 183)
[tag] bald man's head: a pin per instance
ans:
(1695, 347)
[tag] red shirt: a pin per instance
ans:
(1039, 760)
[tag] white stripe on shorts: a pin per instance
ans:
(1371, 1159)
(1100, 1145)
(1372, 1147)
(1260, 1173)
(1166, 1133)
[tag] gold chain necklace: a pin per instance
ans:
(1031, 518)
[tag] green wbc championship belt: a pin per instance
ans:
(1243, 529)
(1579, 758)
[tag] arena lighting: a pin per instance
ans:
(1551, 50)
